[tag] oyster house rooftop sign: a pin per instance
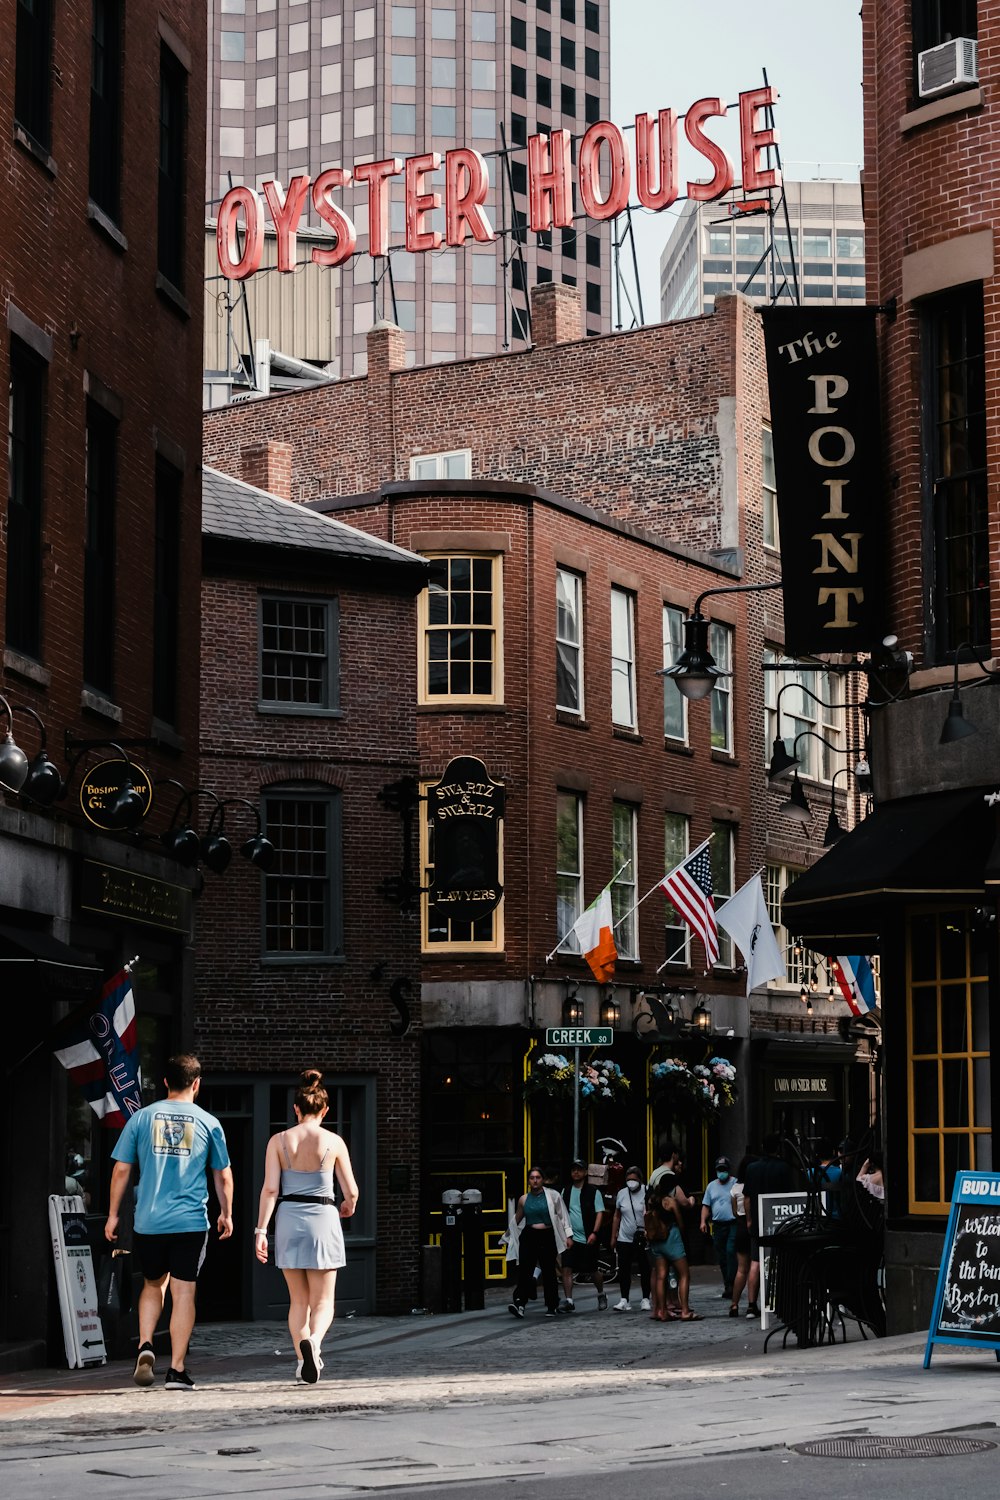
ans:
(604, 171)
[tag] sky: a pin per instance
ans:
(668, 53)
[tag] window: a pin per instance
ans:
(569, 866)
(674, 701)
(567, 53)
(484, 124)
(105, 106)
(798, 964)
(364, 72)
(593, 250)
(815, 243)
(569, 641)
(99, 551)
(232, 46)
(32, 87)
(568, 10)
(443, 120)
(404, 119)
(948, 1047)
(404, 21)
(955, 438)
(484, 73)
(444, 317)
(443, 24)
(567, 97)
(518, 33)
(299, 653)
(676, 834)
(298, 36)
(720, 643)
(303, 894)
(800, 711)
(166, 590)
(484, 26)
(593, 297)
(769, 489)
(623, 707)
(720, 242)
(591, 109)
(519, 87)
(592, 62)
(543, 92)
(443, 72)
(459, 618)
(851, 246)
(625, 883)
(721, 849)
(404, 72)
(456, 465)
(543, 42)
(440, 932)
(170, 201)
(25, 440)
(592, 15)
(484, 318)
(937, 21)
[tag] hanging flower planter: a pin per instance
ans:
(552, 1076)
(701, 1088)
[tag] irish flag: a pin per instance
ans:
(595, 931)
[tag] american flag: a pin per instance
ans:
(99, 1048)
(689, 887)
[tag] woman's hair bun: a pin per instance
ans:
(311, 1077)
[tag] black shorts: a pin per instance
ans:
(743, 1246)
(580, 1257)
(177, 1255)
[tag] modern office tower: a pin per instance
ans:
(712, 250)
(296, 86)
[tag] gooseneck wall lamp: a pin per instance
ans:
(13, 761)
(217, 850)
(796, 806)
(695, 671)
(956, 726)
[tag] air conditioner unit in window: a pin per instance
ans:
(953, 65)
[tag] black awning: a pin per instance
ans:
(933, 847)
(22, 951)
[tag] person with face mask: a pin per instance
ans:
(717, 1212)
(628, 1237)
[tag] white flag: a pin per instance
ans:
(745, 918)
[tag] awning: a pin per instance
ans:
(933, 847)
(23, 951)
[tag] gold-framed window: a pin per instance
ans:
(443, 934)
(460, 630)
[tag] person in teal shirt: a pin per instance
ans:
(172, 1143)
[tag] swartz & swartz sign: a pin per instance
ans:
(603, 150)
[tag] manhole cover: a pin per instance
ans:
(893, 1447)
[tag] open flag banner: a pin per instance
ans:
(744, 916)
(853, 973)
(99, 1048)
(689, 887)
(595, 932)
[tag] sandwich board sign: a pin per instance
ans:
(774, 1209)
(81, 1319)
(967, 1301)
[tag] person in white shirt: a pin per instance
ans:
(629, 1238)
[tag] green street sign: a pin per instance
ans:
(579, 1036)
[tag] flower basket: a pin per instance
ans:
(552, 1076)
(701, 1088)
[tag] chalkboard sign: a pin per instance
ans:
(967, 1300)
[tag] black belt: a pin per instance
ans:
(307, 1198)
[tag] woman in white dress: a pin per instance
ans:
(299, 1170)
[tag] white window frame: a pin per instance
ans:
(720, 644)
(455, 464)
(573, 584)
(768, 490)
(723, 851)
(778, 879)
(671, 859)
(673, 645)
(623, 658)
(568, 913)
(425, 629)
(625, 887)
(447, 947)
(800, 712)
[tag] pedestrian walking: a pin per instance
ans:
(543, 1230)
(628, 1238)
(299, 1170)
(717, 1219)
(586, 1209)
(666, 1248)
(172, 1143)
(671, 1160)
(741, 1238)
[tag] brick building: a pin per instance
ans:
(573, 501)
(306, 716)
(928, 856)
(100, 278)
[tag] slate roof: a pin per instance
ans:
(247, 516)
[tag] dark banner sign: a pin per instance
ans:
(134, 898)
(822, 372)
(466, 810)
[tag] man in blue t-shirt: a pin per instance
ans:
(173, 1143)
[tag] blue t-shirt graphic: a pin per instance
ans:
(173, 1142)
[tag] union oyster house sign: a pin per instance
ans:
(465, 809)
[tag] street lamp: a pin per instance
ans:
(701, 1019)
(956, 726)
(781, 761)
(610, 1011)
(13, 761)
(572, 1011)
(695, 671)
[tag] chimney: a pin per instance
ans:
(556, 316)
(268, 465)
(386, 349)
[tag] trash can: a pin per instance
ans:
(451, 1250)
(474, 1250)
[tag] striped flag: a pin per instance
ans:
(853, 973)
(98, 1046)
(689, 887)
(595, 931)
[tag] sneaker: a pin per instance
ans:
(310, 1361)
(143, 1374)
(621, 1305)
(753, 1311)
(644, 1305)
(556, 1312)
(298, 1374)
(602, 1302)
(567, 1305)
(726, 1295)
(179, 1380)
(516, 1309)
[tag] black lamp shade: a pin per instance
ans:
(13, 765)
(797, 807)
(125, 809)
(183, 844)
(694, 671)
(43, 783)
(781, 761)
(833, 829)
(955, 726)
(216, 853)
(260, 852)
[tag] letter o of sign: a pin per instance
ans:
(233, 265)
(847, 452)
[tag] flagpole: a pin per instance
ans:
(673, 955)
(703, 845)
(550, 956)
(755, 876)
